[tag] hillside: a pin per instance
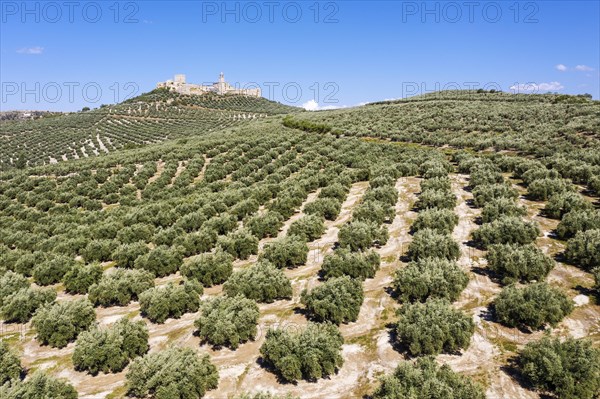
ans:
(534, 124)
(309, 254)
(150, 118)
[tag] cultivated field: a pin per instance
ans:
(431, 247)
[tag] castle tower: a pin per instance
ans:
(180, 79)
(221, 85)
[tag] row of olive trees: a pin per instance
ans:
(427, 323)
(511, 253)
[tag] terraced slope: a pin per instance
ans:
(537, 124)
(153, 117)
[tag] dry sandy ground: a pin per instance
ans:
(493, 344)
(367, 351)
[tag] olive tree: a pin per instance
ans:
(518, 263)
(430, 278)
(118, 287)
(584, 249)
(568, 369)
(262, 282)
(338, 300)
(312, 353)
(19, 306)
(343, 262)
(53, 269)
(563, 203)
(578, 221)
(39, 385)
(427, 379)
(209, 269)
(109, 350)
(359, 236)
(59, 323)
(289, 251)
(10, 364)
(265, 225)
(160, 303)
(228, 321)
(542, 189)
(441, 220)
(442, 199)
(328, 208)
(533, 306)
(429, 243)
(161, 261)
(500, 207)
(81, 277)
(308, 228)
(126, 254)
(10, 283)
(486, 193)
(433, 327)
(171, 373)
(240, 244)
(506, 230)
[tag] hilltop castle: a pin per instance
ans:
(220, 87)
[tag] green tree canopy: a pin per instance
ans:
(584, 249)
(338, 300)
(569, 369)
(59, 323)
(426, 379)
(428, 243)
(170, 301)
(312, 353)
(172, 373)
(430, 277)
(514, 262)
(228, 321)
(343, 262)
(433, 327)
(289, 251)
(110, 349)
(262, 282)
(533, 306)
(506, 230)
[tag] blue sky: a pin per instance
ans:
(58, 56)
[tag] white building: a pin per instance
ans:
(221, 87)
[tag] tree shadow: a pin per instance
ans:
(302, 311)
(262, 363)
(561, 258)
(391, 292)
(474, 244)
(486, 272)
(404, 258)
(471, 203)
(491, 315)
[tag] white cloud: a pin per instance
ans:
(312, 105)
(537, 88)
(31, 50)
(584, 68)
(561, 67)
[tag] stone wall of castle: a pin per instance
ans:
(179, 85)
